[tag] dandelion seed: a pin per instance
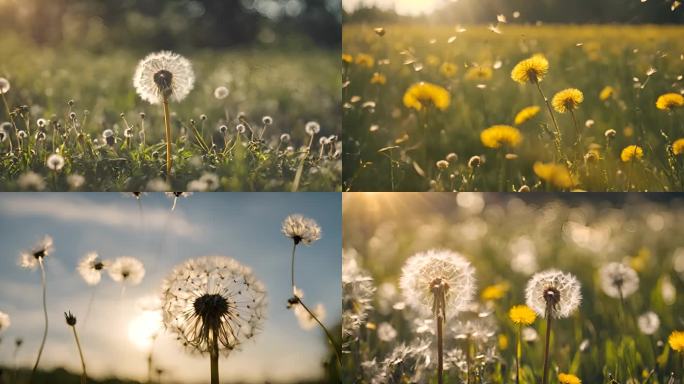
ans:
(567, 100)
(497, 136)
(648, 323)
(90, 268)
(163, 74)
(213, 305)
(501, 18)
(669, 101)
(631, 152)
(221, 92)
(494, 28)
(618, 280)
(651, 71)
(424, 95)
(55, 162)
(531, 70)
(127, 270)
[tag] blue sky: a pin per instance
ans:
(245, 226)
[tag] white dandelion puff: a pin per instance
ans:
(213, 304)
(4, 85)
(55, 162)
(618, 280)
(386, 332)
(32, 258)
(648, 323)
(163, 74)
(449, 269)
(301, 229)
(304, 318)
(312, 128)
(31, 181)
(221, 92)
(127, 270)
(553, 289)
(90, 268)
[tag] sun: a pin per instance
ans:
(143, 329)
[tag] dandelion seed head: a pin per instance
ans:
(531, 70)
(213, 295)
(386, 332)
(560, 290)
(163, 74)
(529, 335)
(442, 164)
(267, 120)
(301, 229)
(90, 268)
(4, 321)
(449, 268)
(70, 318)
(285, 138)
(22, 135)
(648, 323)
(127, 270)
(4, 85)
(240, 128)
(221, 92)
(40, 136)
(357, 295)
(55, 162)
(618, 280)
(474, 162)
(312, 128)
(31, 258)
(31, 181)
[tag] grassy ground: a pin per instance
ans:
(261, 83)
(507, 241)
(389, 146)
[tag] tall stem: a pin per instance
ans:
(440, 350)
(558, 139)
(214, 358)
(84, 376)
(577, 129)
(167, 124)
(547, 342)
(294, 288)
(518, 354)
(45, 330)
(327, 333)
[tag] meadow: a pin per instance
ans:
(435, 107)
(620, 327)
(241, 127)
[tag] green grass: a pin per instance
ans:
(585, 57)
(262, 83)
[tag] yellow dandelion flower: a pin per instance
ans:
(526, 114)
(365, 60)
(479, 73)
(606, 93)
(670, 100)
(494, 292)
(676, 341)
(499, 135)
(448, 70)
(422, 95)
(631, 152)
(503, 342)
(347, 58)
(557, 175)
(566, 378)
(432, 60)
(567, 100)
(378, 78)
(522, 315)
(530, 70)
(678, 147)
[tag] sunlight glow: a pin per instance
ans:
(402, 7)
(143, 329)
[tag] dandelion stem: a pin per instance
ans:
(440, 350)
(327, 333)
(45, 330)
(557, 141)
(294, 288)
(84, 376)
(167, 124)
(577, 129)
(549, 310)
(9, 114)
(213, 355)
(518, 354)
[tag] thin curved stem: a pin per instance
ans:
(294, 288)
(84, 376)
(167, 124)
(327, 333)
(45, 330)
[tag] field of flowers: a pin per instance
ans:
(73, 120)
(481, 272)
(449, 108)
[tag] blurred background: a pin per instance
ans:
(116, 335)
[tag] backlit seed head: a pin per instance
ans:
(163, 75)
(474, 162)
(301, 229)
(312, 128)
(267, 120)
(4, 85)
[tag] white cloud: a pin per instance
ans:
(81, 210)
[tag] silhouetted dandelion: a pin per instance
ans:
(160, 77)
(90, 268)
(71, 322)
(552, 294)
(439, 284)
(30, 260)
(213, 305)
(175, 196)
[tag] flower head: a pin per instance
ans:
(4, 321)
(648, 323)
(90, 268)
(447, 270)
(566, 378)
(55, 162)
(557, 175)
(70, 319)
(618, 280)
(631, 152)
(606, 93)
(30, 259)
(497, 136)
(4, 85)
(221, 92)
(479, 73)
(669, 101)
(531, 70)
(312, 128)
(676, 341)
(365, 60)
(213, 295)
(127, 269)
(163, 75)
(448, 69)
(423, 95)
(567, 100)
(386, 332)
(494, 292)
(526, 114)
(678, 147)
(558, 291)
(301, 229)
(378, 78)
(522, 315)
